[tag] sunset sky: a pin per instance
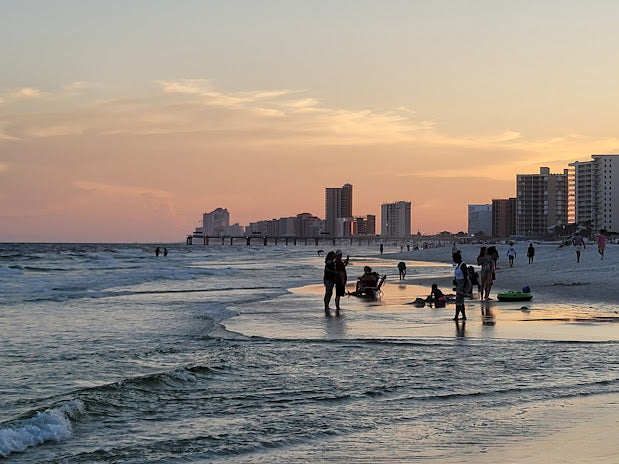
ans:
(124, 121)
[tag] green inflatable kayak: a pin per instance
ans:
(514, 296)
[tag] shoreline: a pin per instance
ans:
(553, 274)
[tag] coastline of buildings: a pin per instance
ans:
(546, 205)
(554, 205)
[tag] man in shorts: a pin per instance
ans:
(579, 245)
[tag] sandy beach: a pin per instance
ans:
(554, 274)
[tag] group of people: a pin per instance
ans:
(335, 277)
(465, 277)
(158, 251)
(579, 244)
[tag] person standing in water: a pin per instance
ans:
(329, 278)
(340, 283)
(461, 278)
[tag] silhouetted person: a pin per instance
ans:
(329, 279)
(579, 245)
(342, 277)
(461, 278)
(601, 243)
(402, 269)
(165, 252)
(157, 251)
(511, 254)
(530, 253)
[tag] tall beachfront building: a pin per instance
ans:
(395, 219)
(592, 197)
(480, 220)
(338, 210)
(504, 217)
(541, 202)
(215, 222)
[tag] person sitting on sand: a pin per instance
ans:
(436, 297)
(369, 279)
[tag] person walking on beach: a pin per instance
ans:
(530, 253)
(601, 243)
(329, 278)
(511, 254)
(462, 282)
(579, 245)
(341, 277)
(381, 248)
(402, 269)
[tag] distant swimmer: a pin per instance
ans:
(157, 251)
(320, 252)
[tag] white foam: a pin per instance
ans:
(49, 425)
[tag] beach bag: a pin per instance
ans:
(440, 303)
(468, 286)
(526, 289)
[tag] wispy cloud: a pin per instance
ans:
(279, 117)
(25, 93)
(122, 190)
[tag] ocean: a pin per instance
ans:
(223, 354)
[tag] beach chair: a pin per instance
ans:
(375, 292)
(371, 292)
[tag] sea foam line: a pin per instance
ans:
(49, 425)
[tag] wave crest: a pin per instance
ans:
(50, 425)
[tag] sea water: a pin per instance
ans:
(224, 354)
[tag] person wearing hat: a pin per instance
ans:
(340, 282)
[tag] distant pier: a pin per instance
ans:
(287, 240)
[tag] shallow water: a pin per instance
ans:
(113, 355)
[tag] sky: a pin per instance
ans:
(124, 121)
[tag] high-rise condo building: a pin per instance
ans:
(480, 220)
(593, 201)
(214, 223)
(541, 202)
(503, 217)
(338, 210)
(395, 219)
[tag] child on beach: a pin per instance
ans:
(462, 282)
(436, 297)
